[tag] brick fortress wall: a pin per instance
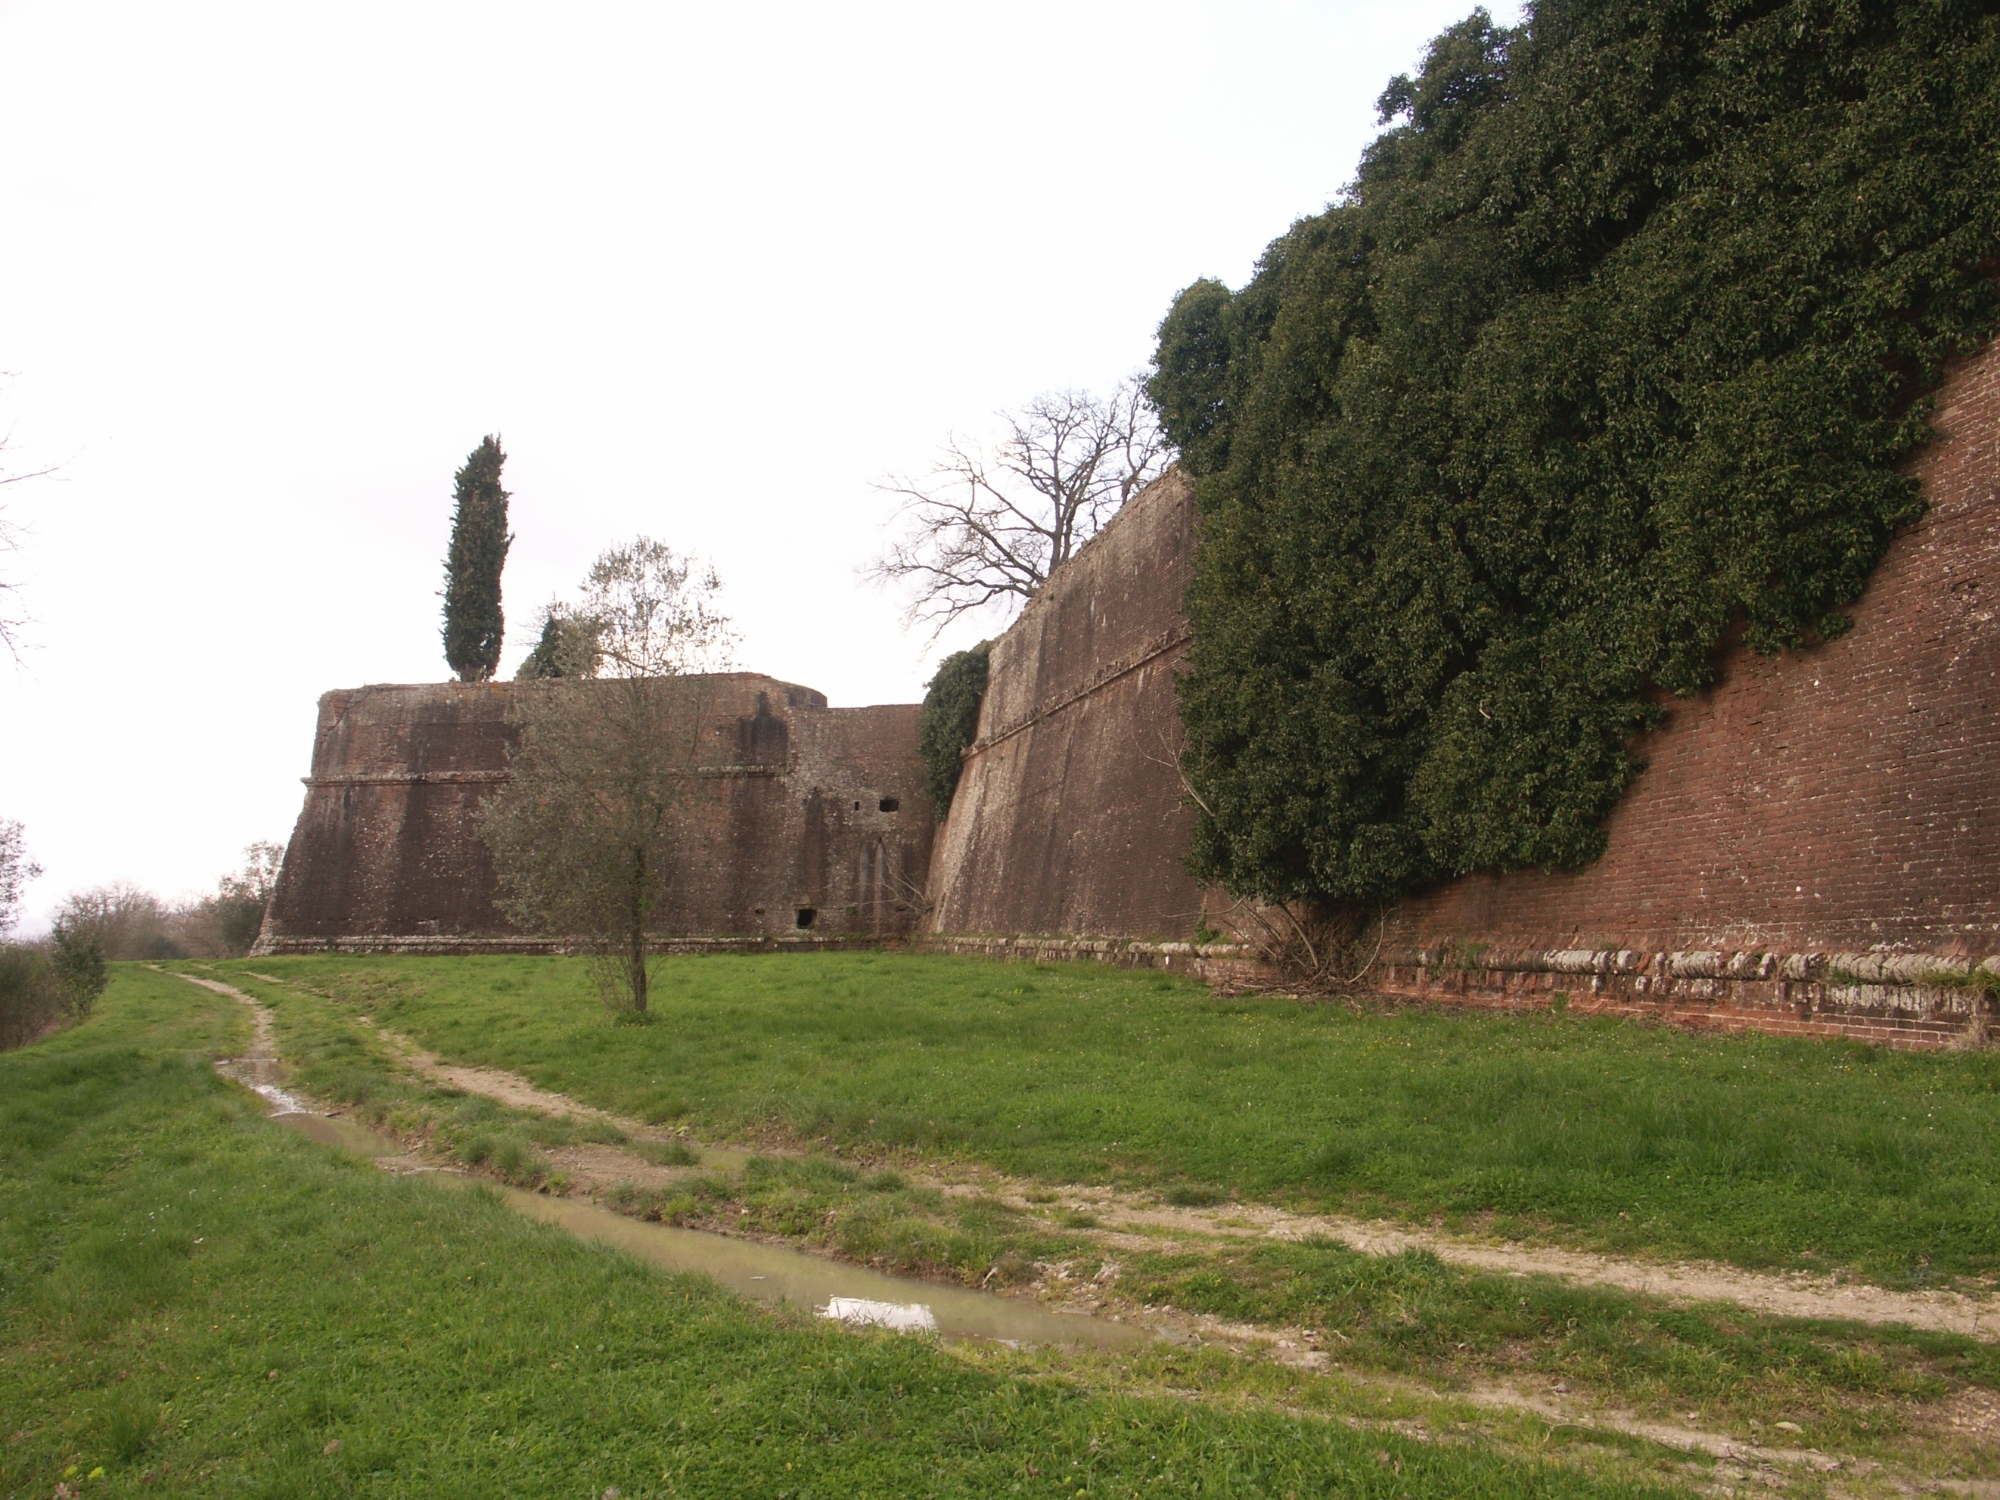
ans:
(1815, 836)
(1068, 817)
(1812, 847)
(800, 808)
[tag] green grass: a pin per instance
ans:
(1849, 1387)
(1758, 1150)
(1845, 1385)
(197, 1301)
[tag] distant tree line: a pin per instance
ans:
(55, 981)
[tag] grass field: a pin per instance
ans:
(1850, 1387)
(198, 1302)
(1757, 1150)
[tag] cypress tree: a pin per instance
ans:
(473, 623)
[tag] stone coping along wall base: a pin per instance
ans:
(1909, 1000)
(1228, 967)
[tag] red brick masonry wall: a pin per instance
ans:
(800, 807)
(1069, 817)
(1813, 846)
(1812, 837)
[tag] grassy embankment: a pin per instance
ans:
(198, 1302)
(847, 1049)
(1756, 1150)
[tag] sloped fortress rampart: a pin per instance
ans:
(1813, 847)
(1070, 816)
(808, 823)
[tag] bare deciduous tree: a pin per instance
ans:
(124, 921)
(16, 870)
(11, 617)
(990, 523)
(583, 832)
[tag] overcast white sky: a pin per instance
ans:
(269, 271)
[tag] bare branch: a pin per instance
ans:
(987, 528)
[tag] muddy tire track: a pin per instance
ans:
(1142, 1220)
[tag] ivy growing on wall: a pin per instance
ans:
(1610, 353)
(950, 720)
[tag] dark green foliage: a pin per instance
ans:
(239, 916)
(76, 963)
(568, 647)
(30, 1002)
(473, 622)
(951, 720)
(43, 990)
(1610, 354)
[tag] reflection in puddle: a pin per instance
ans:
(855, 1294)
(904, 1317)
(348, 1135)
(260, 1075)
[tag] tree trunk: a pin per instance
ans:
(636, 930)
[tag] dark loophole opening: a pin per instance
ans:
(857, 807)
(888, 804)
(806, 915)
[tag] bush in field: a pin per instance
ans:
(29, 1003)
(76, 966)
(238, 904)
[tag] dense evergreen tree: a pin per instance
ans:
(473, 623)
(950, 720)
(1611, 353)
(567, 647)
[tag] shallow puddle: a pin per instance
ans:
(763, 1273)
(854, 1294)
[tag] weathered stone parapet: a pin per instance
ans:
(1914, 1000)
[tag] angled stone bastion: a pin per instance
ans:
(810, 824)
(1814, 846)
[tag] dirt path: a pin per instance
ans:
(1795, 1296)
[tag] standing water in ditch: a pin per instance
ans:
(763, 1273)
